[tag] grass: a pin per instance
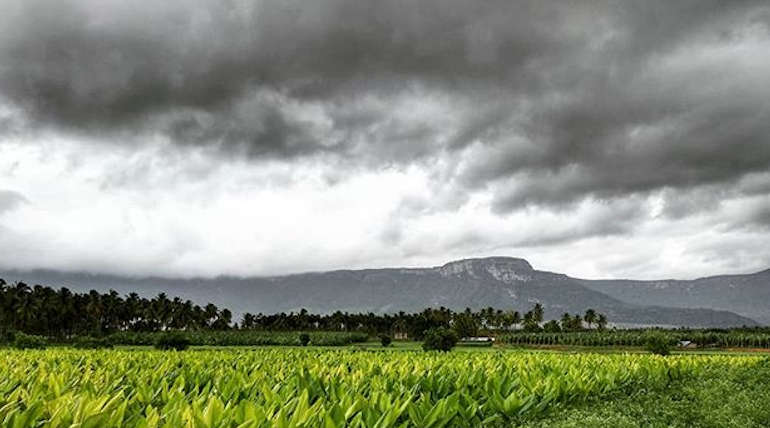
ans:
(717, 398)
(412, 345)
(417, 346)
(402, 345)
(562, 349)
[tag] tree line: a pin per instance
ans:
(49, 312)
(45, 311)
(467, 323)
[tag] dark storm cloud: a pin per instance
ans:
(552, 102)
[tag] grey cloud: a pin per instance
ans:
(755, 216)
(679, 205)
(619, 217)
(10, 200)
(762, 216)
(90, 66)
(554, 104)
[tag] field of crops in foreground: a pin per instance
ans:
(317, 388)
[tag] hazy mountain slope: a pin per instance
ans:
(499, 282)
(747, 295)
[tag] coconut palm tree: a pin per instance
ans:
(590, 317)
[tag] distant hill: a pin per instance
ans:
(499, 282)
(747, 295)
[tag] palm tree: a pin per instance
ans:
(578, 322)
(590, 317)
(601, 322)
(537, 312)
(210, 312)
(247, 321)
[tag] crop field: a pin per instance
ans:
(293, 387)
(243, 338)
(726, 339)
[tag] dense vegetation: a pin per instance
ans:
(61, 313)
(243, 338)
(440, 339)
(310, 387)
(737, 338)
(718, 397)
(94, 319)
(48, 312)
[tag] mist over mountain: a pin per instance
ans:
(499, 282)
(748, 295)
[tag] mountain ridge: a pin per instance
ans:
(501, 282)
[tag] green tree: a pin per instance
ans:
(304, 339)
(552, 326)
(465, 325)
(385, 340)
(537, 313)
(601, 322)
(658, 344)
(577, 322)
(590, 317)
(439, 339)
(530, 323)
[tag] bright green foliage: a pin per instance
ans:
(315, 388)
(718, 397)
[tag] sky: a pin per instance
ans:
(181, 138)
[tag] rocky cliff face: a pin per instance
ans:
(504, 269)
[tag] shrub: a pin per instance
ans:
(658, 344)
(29, 341)
(385, 340)
(304, 339)
(90, 343)
(439, 339)
(8, 336)
(172, 340)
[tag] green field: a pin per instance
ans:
(360, 387)
(243, 338)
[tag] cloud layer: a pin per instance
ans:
(596, 121)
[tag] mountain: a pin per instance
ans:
(499, 282)
(747, 295)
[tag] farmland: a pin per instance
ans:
(312, 387)
(242, 338)
(736, 338)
